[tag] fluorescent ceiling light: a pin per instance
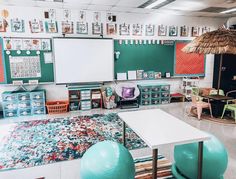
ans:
(228, 11)
(156, 3)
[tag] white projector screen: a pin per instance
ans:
(83, 60)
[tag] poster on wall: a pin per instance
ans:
(46, 44)
(82, 28)
(3, 25)
(82, 16)
(52, 14)
(17, 44)
(7, 44)
(36, 44)
(36, 26)
(67, 27)
(25, 66)
(205, 29)
(162, 30)
(137, 29)
(97, 28)
(17, 25)
(66, 14)
(184, 31)
(173, 30)
(124, 29)
(195, 31)
(149, 30)
(27, 44)
(97, 16)
(51, 26)
(111, 29)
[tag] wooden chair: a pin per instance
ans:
(199, 105)
(230, 105)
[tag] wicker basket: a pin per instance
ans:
(57, 107)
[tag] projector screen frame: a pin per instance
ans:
(75, 83)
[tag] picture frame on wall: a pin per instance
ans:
(124, 29)
(205, 29)
(157, 75)
(162, 30)
(82, 28)
(184, 31)
(111, 29)
(36, 26)
(67, 27)
(149, 30)
(97, 28)
(167, 74)
(195, 31)
(45, 44)
(137, 29)
(51, 26)
(173, 30)
(17, 25)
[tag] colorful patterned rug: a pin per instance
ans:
(39, 142)
(143, 168)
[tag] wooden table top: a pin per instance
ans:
(218, 97)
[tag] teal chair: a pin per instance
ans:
(230, 105)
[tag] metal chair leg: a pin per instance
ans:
(223, 112)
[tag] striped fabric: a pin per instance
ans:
(143, 167)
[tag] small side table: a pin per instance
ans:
(177, 97)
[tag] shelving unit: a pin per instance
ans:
(84, 97)
(154, 94)
(23, 103)
(188, 84)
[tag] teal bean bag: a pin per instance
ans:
(107, 160)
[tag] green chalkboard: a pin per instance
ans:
(147, 57)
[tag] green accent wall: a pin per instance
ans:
(147, 57)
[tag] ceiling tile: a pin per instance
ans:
(99, 7)
(78, 1)
(142, 10)
(121, 9)
(105, 2)
(131, 3)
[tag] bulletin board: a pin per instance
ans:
(147, 57)
(191, 64)
(32, 64)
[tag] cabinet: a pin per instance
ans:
(23, 103)
(188, 85)
(84, 97)
(153, 94)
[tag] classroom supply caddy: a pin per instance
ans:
(57, 107)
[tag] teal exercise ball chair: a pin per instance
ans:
(107, 160)
(215, 160)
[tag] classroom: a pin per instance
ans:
(117, 89)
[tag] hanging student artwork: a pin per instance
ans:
(173, 30)
(205, 29)
(46, 44)
(97, 28)
(195, 31)
(52, 14)
(97, 16)
(124, 29)
(17, 25)
(82, 16)
(51, 26)
(82, 28)
(162, 30)
(150, 30)
(184, 31)
(67, 27)
(27, 44)
(137, 29)
(66, 14)
(36, 26)
(111, 29)
(3, 25)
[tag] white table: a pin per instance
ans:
(157, 128)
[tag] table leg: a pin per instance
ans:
(123, 133)
(154, 163)
(200, 159)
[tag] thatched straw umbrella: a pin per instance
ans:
(221, 41)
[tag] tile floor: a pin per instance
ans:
(225, 132)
